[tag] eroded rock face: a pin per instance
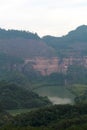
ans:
(46, 66)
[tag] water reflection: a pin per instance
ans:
(57, 94)
(58, 100)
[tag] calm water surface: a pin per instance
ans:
(58, 95)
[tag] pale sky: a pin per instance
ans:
(53, 17)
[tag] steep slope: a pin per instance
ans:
(44, 56)
(23, 44)
(19, 47)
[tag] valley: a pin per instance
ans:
(56, 94)
(43, 78)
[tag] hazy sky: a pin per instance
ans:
(54, 17)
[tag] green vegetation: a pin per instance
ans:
(80, 92)
(13, 96)
(77, 89)
(5, 34)
(54, 79)
(5, 117)
(20, 107)
(15, 112)
(72, 44)
(61, 117)
(51, 115)
(76, 74)
(9, 70)
(82, 99)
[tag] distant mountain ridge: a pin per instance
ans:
(42, 55)
(74, 42)
(26, 44)
(23, 44)
(27, 60)
(81, 30)
(5, 34)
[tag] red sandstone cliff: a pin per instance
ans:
(46, 66)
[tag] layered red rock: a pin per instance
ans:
(46, 66)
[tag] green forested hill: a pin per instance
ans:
(9, 34)
(72, 44)
(5, 117)
(14, 97)
(23, 44)
(52, 115)
(58, 117)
